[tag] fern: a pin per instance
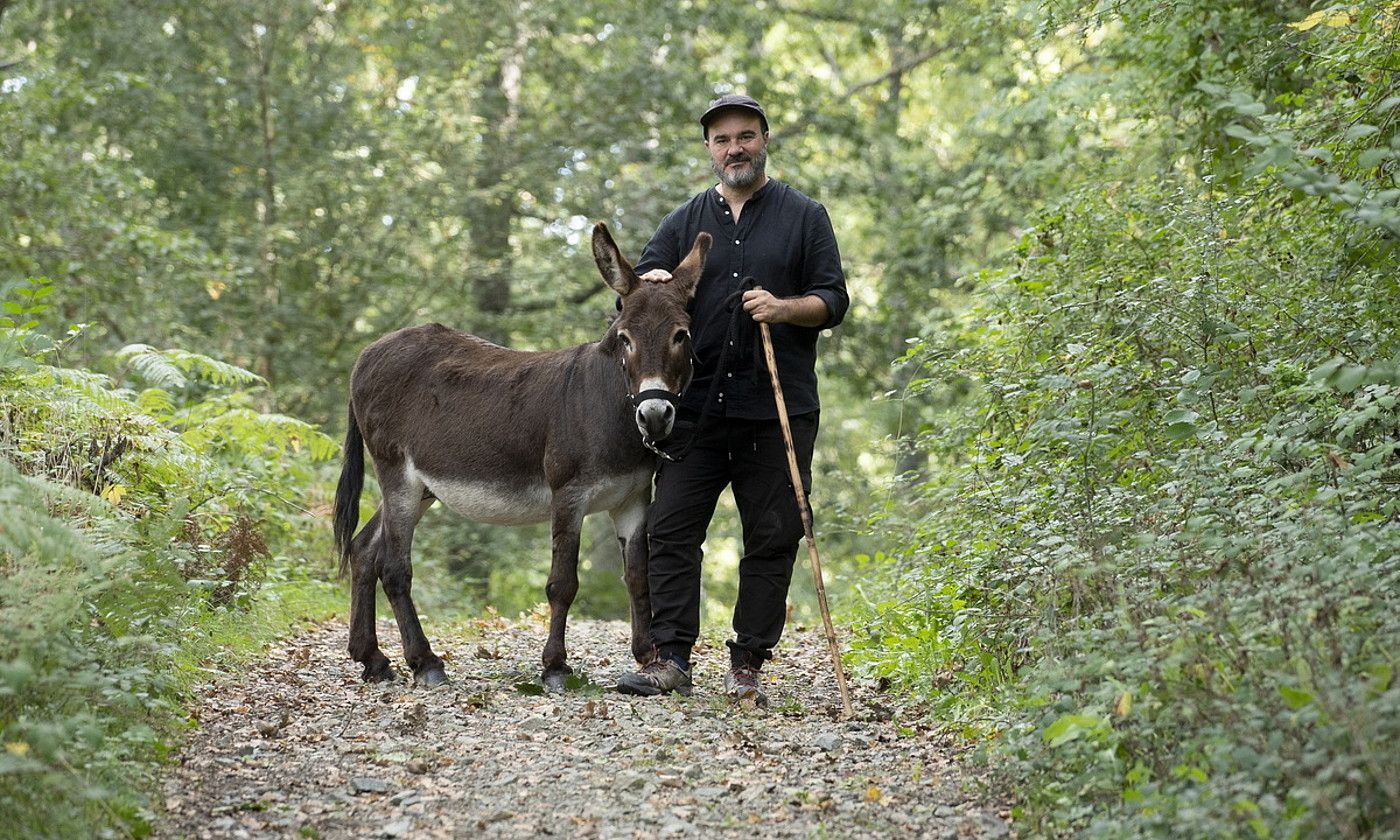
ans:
(252, 430)
(85, 379)
(156, 402)
(172, 369)
(130, 511)
(153, 366)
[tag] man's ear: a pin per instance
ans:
(687, 274)
(616, 271)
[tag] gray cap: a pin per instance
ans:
(731, 100)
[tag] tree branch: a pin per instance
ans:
(576, 299)
(832, 63)
(803, 122)
(829, 17)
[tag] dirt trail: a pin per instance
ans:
(298, 747)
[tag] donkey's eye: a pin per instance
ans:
(626, 341)
(681, 337)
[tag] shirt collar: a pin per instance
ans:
(757, 196)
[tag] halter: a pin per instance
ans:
(653, 394)
(736, 313)
(635, 400)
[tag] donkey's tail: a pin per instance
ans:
(347, 492)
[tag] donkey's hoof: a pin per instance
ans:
(380, 671)
(555, 681)
(430, 677)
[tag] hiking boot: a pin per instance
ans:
(743, 684)
(660, 676)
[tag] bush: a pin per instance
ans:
(134, 511)
(1158, 564)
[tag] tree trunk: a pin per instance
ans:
(269, 318)
(910, 461)
(492, 210)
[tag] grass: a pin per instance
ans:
(226, 639)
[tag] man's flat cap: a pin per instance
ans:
(731, 100)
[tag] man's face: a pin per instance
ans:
(738, 148)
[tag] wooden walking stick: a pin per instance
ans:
(806, 517)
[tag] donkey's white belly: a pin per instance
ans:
(494, 504)
(613, 493)
(501, 504)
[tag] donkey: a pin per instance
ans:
(510, 437)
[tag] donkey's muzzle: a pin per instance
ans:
(656, 413)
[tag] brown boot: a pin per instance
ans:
(660, 676)
(743, 684)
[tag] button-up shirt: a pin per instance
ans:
(784, 241)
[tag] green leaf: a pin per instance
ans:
(1245, 134)
(1277, 154)
(16, 674)
(1358, 131)
(1348, 378)
(1296, 698)
(1324, 371)
(1373, 157)
(578, 683)
(1180, 431)
(1073, 726)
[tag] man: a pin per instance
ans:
(763, 229)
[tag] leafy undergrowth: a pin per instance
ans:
(139, 513)
(1158, 567)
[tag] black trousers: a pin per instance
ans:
(749, 456)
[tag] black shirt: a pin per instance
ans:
(784, 241)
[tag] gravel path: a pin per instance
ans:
(298, 747)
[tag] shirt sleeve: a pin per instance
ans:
(821, 267)
(661, 250)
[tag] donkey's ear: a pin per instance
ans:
(617, 272)
(687, 274)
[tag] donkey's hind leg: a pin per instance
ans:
(364, 574)
(405, 500)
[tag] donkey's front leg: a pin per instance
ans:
(561, 587)
(403, 504)
(630, 520)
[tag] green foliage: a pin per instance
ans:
(1141, 533)
(277, 186)
(171, 369)
(1158, 564)
(130, 518)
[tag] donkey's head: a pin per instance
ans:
(651, 338)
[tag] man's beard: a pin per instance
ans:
(744, 178)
